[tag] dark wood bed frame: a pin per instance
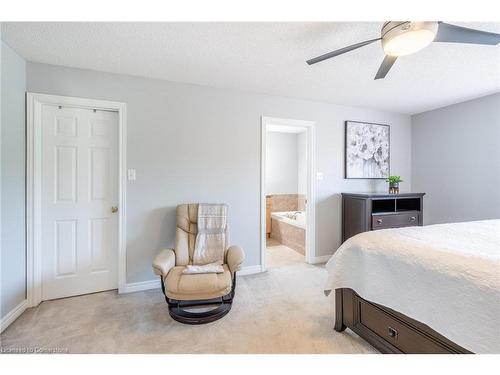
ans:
(387, 330)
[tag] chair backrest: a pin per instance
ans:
(185, 235)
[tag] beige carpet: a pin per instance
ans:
(280, 311)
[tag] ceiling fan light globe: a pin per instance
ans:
(408, 43)
(408, 38)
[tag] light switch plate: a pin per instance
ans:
(319, 176)
(131, 175)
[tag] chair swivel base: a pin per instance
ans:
(187, 317)
(178, 312)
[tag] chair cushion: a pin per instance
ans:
(185, 235)
(199, 286)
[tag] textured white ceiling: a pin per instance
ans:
(269, 58)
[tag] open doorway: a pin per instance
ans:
(287, 192)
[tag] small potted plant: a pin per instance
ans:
(394, 184)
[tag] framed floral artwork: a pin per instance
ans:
(367, 150)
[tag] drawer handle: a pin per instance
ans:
(413, 218)
(379, 221)
(392, 332)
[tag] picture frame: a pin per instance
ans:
(366, 150)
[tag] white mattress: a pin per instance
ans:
(446, 276)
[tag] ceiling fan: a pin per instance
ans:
(400, 38)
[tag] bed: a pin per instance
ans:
(431, 289)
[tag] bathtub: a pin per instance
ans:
(296, 218)
(289, 228)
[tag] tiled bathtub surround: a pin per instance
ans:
(301, 202)
(289, 235)
(287, 202)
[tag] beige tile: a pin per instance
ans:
(287, 202)
(289, 235)
(284, 202)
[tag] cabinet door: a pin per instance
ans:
(356, 217)
(268, 215)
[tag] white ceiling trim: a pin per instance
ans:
(285, 129)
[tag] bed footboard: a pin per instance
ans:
(387, 330)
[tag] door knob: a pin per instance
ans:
(114, 209)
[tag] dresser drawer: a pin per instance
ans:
(395, 220)
(395, 332)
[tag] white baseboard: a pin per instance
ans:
(250, 270)
(12, 315)
(321, 259)
(142, 285)
(155, 284)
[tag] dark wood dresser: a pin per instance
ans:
(362, 212)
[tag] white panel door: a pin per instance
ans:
(79, 191)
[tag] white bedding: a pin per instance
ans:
(446, 276)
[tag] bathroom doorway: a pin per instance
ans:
(287, 192)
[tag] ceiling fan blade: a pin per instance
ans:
(385, 66)
(456, 34)
(340, 51)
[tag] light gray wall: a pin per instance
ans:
(456, 160)
(302, 162)
(197, 144)
(281, 163)
(13, 135)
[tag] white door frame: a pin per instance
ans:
(34, 184)
(310, 250)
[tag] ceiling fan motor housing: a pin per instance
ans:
(401, 38)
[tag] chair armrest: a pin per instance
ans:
(234, 257)
(163, 262)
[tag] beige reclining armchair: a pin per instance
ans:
(189, 291)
